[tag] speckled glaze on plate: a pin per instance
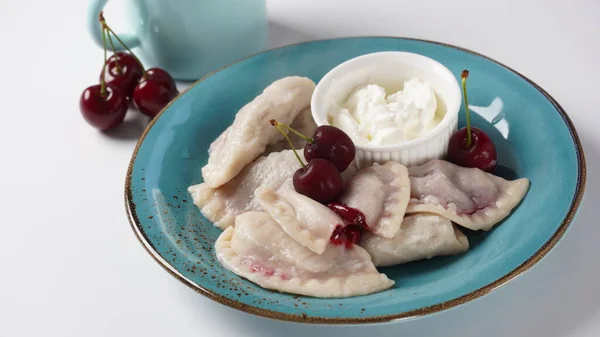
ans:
(534, 136)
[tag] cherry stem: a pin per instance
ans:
(115, 53)
(278, 127)
(103, 22)
(464, 76)
(103, 92)
(295, 132)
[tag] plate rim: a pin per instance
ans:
(416, 313)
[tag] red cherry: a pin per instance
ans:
(150, 97)
(481, 154)
(333, 144)
(162, 77)
(103, 111)
(469, 146)
(320, 180)
(123, 71)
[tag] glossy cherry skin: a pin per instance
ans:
(332, 144)
(481, 154)
(124, 77)
(320, 181)
(162, 77)
(150, 97)
(348, 214)
(103, 112)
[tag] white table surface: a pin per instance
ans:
(71, 266)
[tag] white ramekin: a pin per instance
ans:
(391, 69)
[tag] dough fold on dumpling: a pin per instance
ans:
(222, 204)
(304, 124)
(381, 193)
(251, 133)
(468, 196)
(260, 251)
(421, 236)
(305, 220)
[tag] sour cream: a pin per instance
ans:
(371, 116)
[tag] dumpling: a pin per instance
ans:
(421, 236)
(381, 193)
(260, 251)
(307, 221)
(305, 124)
(468, 196)
(251, 133)
(221, 205)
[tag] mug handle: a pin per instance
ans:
(94, 9)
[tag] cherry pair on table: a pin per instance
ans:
(123, 77)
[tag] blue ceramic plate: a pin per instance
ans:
(534, 137)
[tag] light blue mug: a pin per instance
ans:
(190, 38)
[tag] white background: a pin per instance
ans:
(71, 266)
